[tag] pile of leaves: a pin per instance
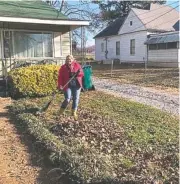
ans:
(94, 130)
(106, 145)
(105, 136)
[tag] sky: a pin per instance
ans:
(90, 36)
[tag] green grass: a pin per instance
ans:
(115, 138)
(142, 122)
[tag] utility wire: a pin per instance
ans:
(137, 15)
(164, 23)
(149, 11)
(157, 26)
(51, 8)
(144, 13)
(155, 18)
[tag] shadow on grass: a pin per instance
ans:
(38, 154)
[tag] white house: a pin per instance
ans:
(33, 30)
(127, 44)
(106, 40)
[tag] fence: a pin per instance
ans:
(138, 74)
(6, 65)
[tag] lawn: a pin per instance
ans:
(160, 78)
(114, 140)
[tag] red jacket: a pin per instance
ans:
(63, 76)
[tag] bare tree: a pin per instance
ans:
(81, 10)
(52, 3)
(111, 10)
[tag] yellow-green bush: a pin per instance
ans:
(37, 80)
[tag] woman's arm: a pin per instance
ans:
(81, 73)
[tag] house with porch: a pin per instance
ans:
(124, 39)
(33, 31)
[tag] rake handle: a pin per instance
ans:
(70, 79)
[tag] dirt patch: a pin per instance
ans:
(18, 165)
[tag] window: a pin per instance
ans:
(153, 47)
(161, 46)
(48, 45)
(172, 45)
(130, 23)
(31, 44)
(132, 47)
(102, 47)
(118, 48)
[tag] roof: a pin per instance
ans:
(29, 9)
(157, 17)
(112, 29)
(163, 38)
(155, 20)
(33, 14)
(176, 26)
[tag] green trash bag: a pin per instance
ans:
(87, 79)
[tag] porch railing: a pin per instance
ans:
(6, 65)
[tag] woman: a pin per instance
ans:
(69, 69)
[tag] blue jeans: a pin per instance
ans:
(75, 92)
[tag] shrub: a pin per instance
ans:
(37, 80)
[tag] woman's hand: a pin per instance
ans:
(60, 88)
(77, 73)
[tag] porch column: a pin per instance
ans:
(70, 37)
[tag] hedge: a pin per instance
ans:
(32, 81)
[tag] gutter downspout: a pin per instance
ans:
(145, 64)
(147, 55)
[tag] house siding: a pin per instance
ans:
(57, 44)
(62, 45)
(98, 54)
(163, 58)
(125, 56)
(124, 36)
(135, 31)
(111, 48)
(137, 25)
(140, 55)
(66, 50)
